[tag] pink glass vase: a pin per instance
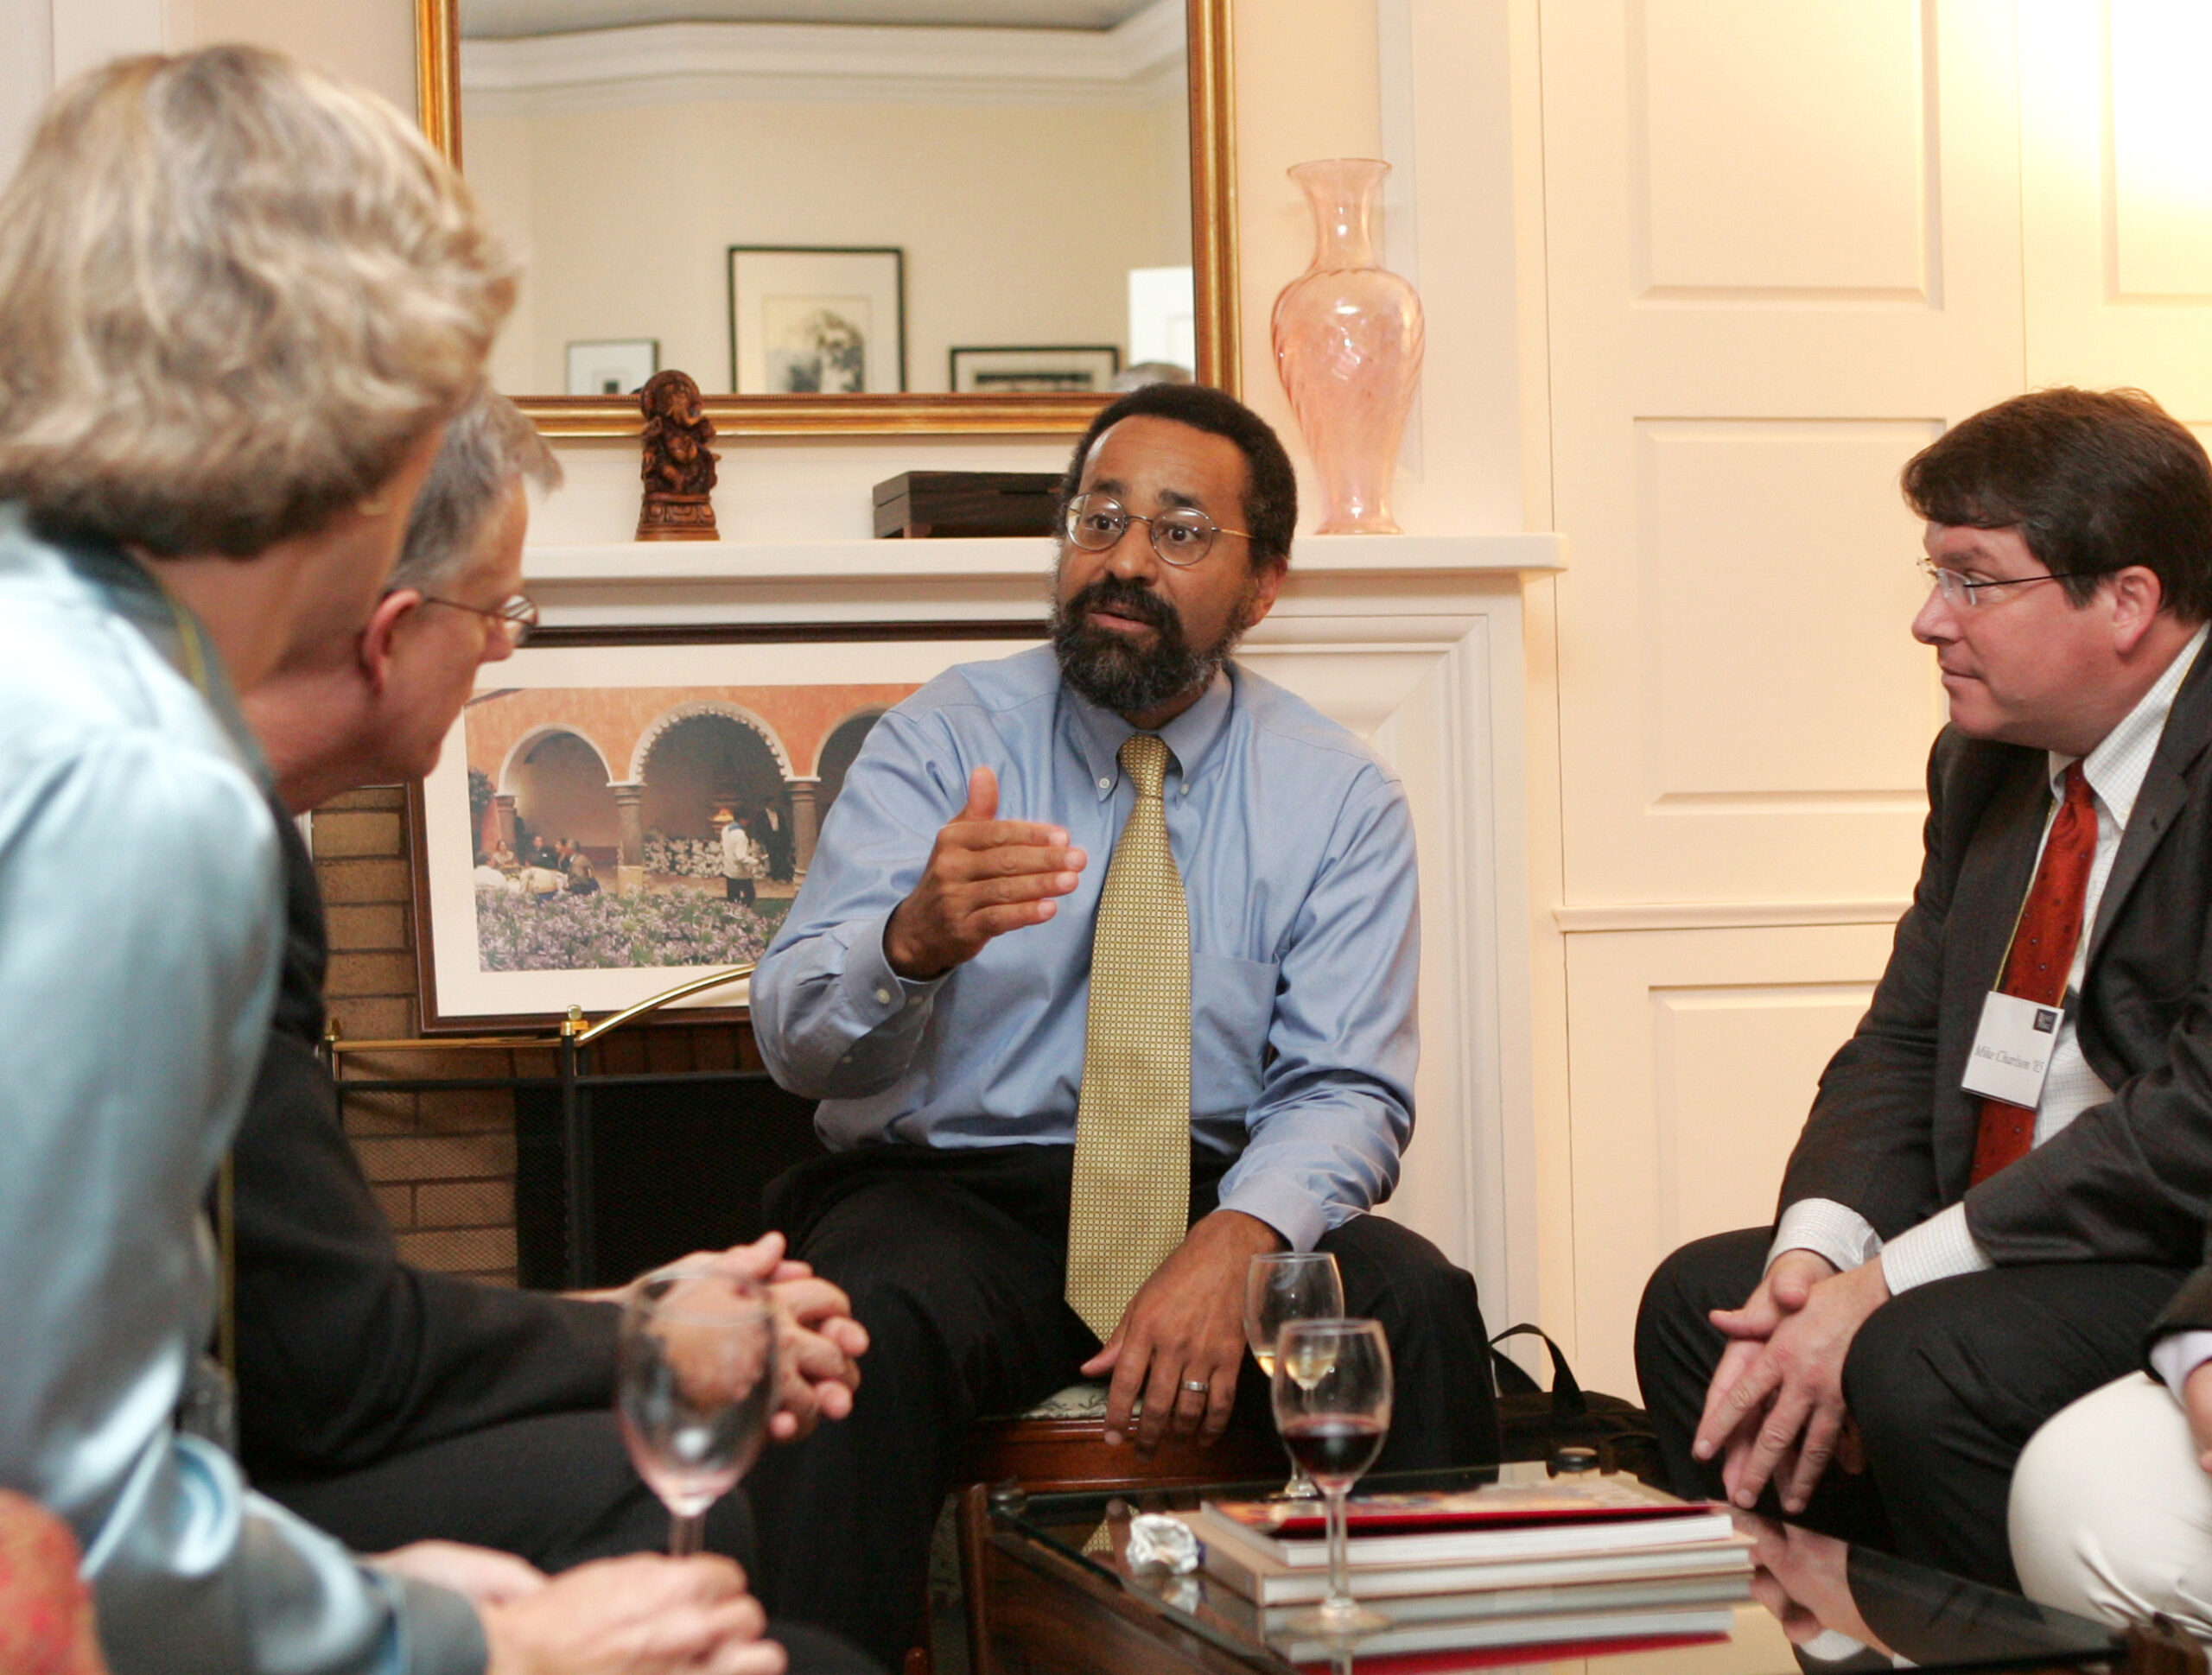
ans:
(1348, 338)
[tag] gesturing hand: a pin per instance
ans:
(985, 876)
(1187, 1322)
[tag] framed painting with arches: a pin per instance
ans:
(618, 809)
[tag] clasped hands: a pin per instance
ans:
(1775, 1410)
(818, 1343)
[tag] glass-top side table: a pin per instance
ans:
(1054, 1590)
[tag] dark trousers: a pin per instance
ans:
(738, 889)
(955, 1262)
(557, 1489)
(1946, 1382)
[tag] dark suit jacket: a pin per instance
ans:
(1892, 1134)
(346, 1353)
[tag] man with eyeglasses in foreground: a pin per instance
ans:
(934, 986)
(2005, 1173)
(390, 1404)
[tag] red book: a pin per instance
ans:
(1609, 1500)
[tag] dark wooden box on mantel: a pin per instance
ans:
(917, 505)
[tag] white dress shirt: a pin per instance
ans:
(1941, 1246)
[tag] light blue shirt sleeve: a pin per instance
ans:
(140, 930)
(1334, 1109)
(1297, 855)
(832, 1018)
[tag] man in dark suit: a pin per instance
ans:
(402, 1405)
(2005, 1172)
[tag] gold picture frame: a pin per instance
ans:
(1213, 263)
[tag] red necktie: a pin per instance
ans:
(2042, 956)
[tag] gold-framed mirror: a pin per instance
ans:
(1215, 339)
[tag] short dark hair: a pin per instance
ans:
(2094, 480)
(1270, 485)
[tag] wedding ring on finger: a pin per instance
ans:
(1197, 1386)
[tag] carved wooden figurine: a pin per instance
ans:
(678, 467)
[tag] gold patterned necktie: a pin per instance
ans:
(1130, 1202)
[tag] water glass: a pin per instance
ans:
(1282, 1287)
(694, 1383)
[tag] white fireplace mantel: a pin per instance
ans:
(675, 582)
(1413, 642)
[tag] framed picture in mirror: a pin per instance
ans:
(809, 321)
(1075, 370)
(612, 366)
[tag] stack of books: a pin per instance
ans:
(1599, 1560)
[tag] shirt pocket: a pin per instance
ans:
(1232, 1002)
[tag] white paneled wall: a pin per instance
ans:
(1696, 1054)
(1783, 252)
(2116, 198)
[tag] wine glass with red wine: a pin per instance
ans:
(1333, 1406)
(694, 1383)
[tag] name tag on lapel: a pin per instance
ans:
(2011, 1050)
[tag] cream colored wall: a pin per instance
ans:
(368, 42)
(43, 42)
(1019, 224)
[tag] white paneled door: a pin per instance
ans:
(2116, 196)
(1783, 251)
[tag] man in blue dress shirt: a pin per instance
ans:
(931, 986)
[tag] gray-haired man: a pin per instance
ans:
(401, 1406)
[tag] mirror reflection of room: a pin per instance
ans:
(820, 197)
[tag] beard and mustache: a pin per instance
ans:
(1115, 674)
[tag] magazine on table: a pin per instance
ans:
(1608, 1514)
(1609, 1499)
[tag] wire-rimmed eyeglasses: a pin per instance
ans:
(1963, 595)
(1182, 535)
(516, 615)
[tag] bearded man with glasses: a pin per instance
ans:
(2005, 1173)
(1119, 884)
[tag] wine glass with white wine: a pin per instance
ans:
(1332, 1406)
(694, 1383)
(1282, 1287)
